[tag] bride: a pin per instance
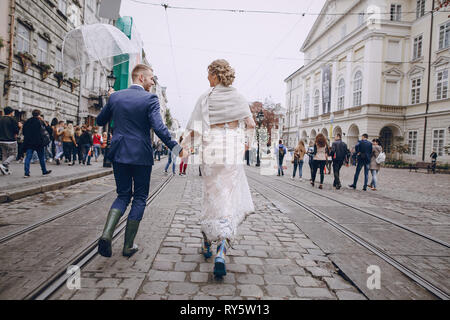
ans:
(218, 126)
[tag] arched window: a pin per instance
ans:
(341, 94)
(316, 103)
(357, 89)
(307, 99)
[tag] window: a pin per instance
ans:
(341, 94)
(58, 61)
(442, 85)
(357, 89)
(417, 52)
(316, 103)
(360, 18)
(444, 36)
(42, 50)
(396, 12)
(415, 90)
(412, 142)
(307, 99)
(23, 38)
(420, 8)
(438, 141)
(62, 6)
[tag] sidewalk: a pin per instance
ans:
(15, 186)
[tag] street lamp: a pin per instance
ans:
(106, 162)
(259, 119)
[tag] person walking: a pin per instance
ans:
(433, 157)
(280, 152)
(374, 165)
(97, 144)
(58, 133)
(321, 151)
(339, 152)
(299, 153)
(77, 150)
(104, 143)
(310, 153)
(48, 148)
(20, 151)
(247, 153)
(68, 140)
(363, 150)
(135, 111)
(184, 160)
(169, 161)
(9, 129)
(36, 138)
(159, 149)
(86, 144)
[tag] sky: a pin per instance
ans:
(264, 49)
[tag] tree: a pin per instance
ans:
(271, 120)
(168, 118)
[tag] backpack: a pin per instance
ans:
(381, 158)
(281, 150)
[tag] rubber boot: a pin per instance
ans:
(129, 248)
(104, 243)
(219, 261)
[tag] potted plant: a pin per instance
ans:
(45, 69)
(74, 82)
(60, 77)
(26, 59)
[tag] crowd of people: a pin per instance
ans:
(321, 157)
(37, 140)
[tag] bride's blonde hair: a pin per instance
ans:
(224, 72)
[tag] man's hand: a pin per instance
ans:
(111, 91)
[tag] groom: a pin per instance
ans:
(134, 111)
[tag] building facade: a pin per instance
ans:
(372, 70)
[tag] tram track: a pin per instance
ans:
(367, 244)
(53, 283)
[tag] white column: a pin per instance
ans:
(333, 84)
(372, 72)
(348, 100)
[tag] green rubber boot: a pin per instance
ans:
(129, 248)
(104, 243)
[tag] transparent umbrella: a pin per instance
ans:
(102, 43)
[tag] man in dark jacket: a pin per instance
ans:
(363, 151)
(9, 128)
(36, 138)
(339, 152)
(85, 143)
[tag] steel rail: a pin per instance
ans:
(52, 284)
(374, 249)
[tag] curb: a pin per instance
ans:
(26, 192)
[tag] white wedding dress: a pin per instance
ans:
(226, 194)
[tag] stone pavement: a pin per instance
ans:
(271, 259)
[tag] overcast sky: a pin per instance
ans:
(262, 48)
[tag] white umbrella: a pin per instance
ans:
(98, 42)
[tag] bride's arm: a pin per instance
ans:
(250, 123)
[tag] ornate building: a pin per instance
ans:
(371, 70)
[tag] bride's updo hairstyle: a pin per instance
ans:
(224, 72)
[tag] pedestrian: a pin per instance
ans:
(310, 153)
(54, 125)
(299, 153)
(321, 151)
(86, 144)
(58, 133)
(20, 151)
(68, 140)
(247, 153)
(77, 150)
(135, 111)
(97, 143)
(354, 157)
(339, 152)
(104, 142)
(9, 129)
(280, 152)
(433, 157)
(363, 150)
(184, 159)
(374, 165)
(48, 148)
(36, 138)
(329, 161)
(159, 149)
(169, 161)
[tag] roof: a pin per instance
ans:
(292, 74)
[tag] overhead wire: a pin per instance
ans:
(172, 52)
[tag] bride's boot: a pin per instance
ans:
(206, 247)
(219, 262)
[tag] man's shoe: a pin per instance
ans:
(364, 189)
(47, 172)
(352, 186)
(338, 187)
(104, 243)
(58, 162)
(129, 248)
(26, 176)
(320, 186)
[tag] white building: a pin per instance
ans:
(366, 71)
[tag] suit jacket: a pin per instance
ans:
(364, 150)
(134, 112)
(32, 132)
(339, 149)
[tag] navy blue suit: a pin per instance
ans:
(364, 151)
(134, 112)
